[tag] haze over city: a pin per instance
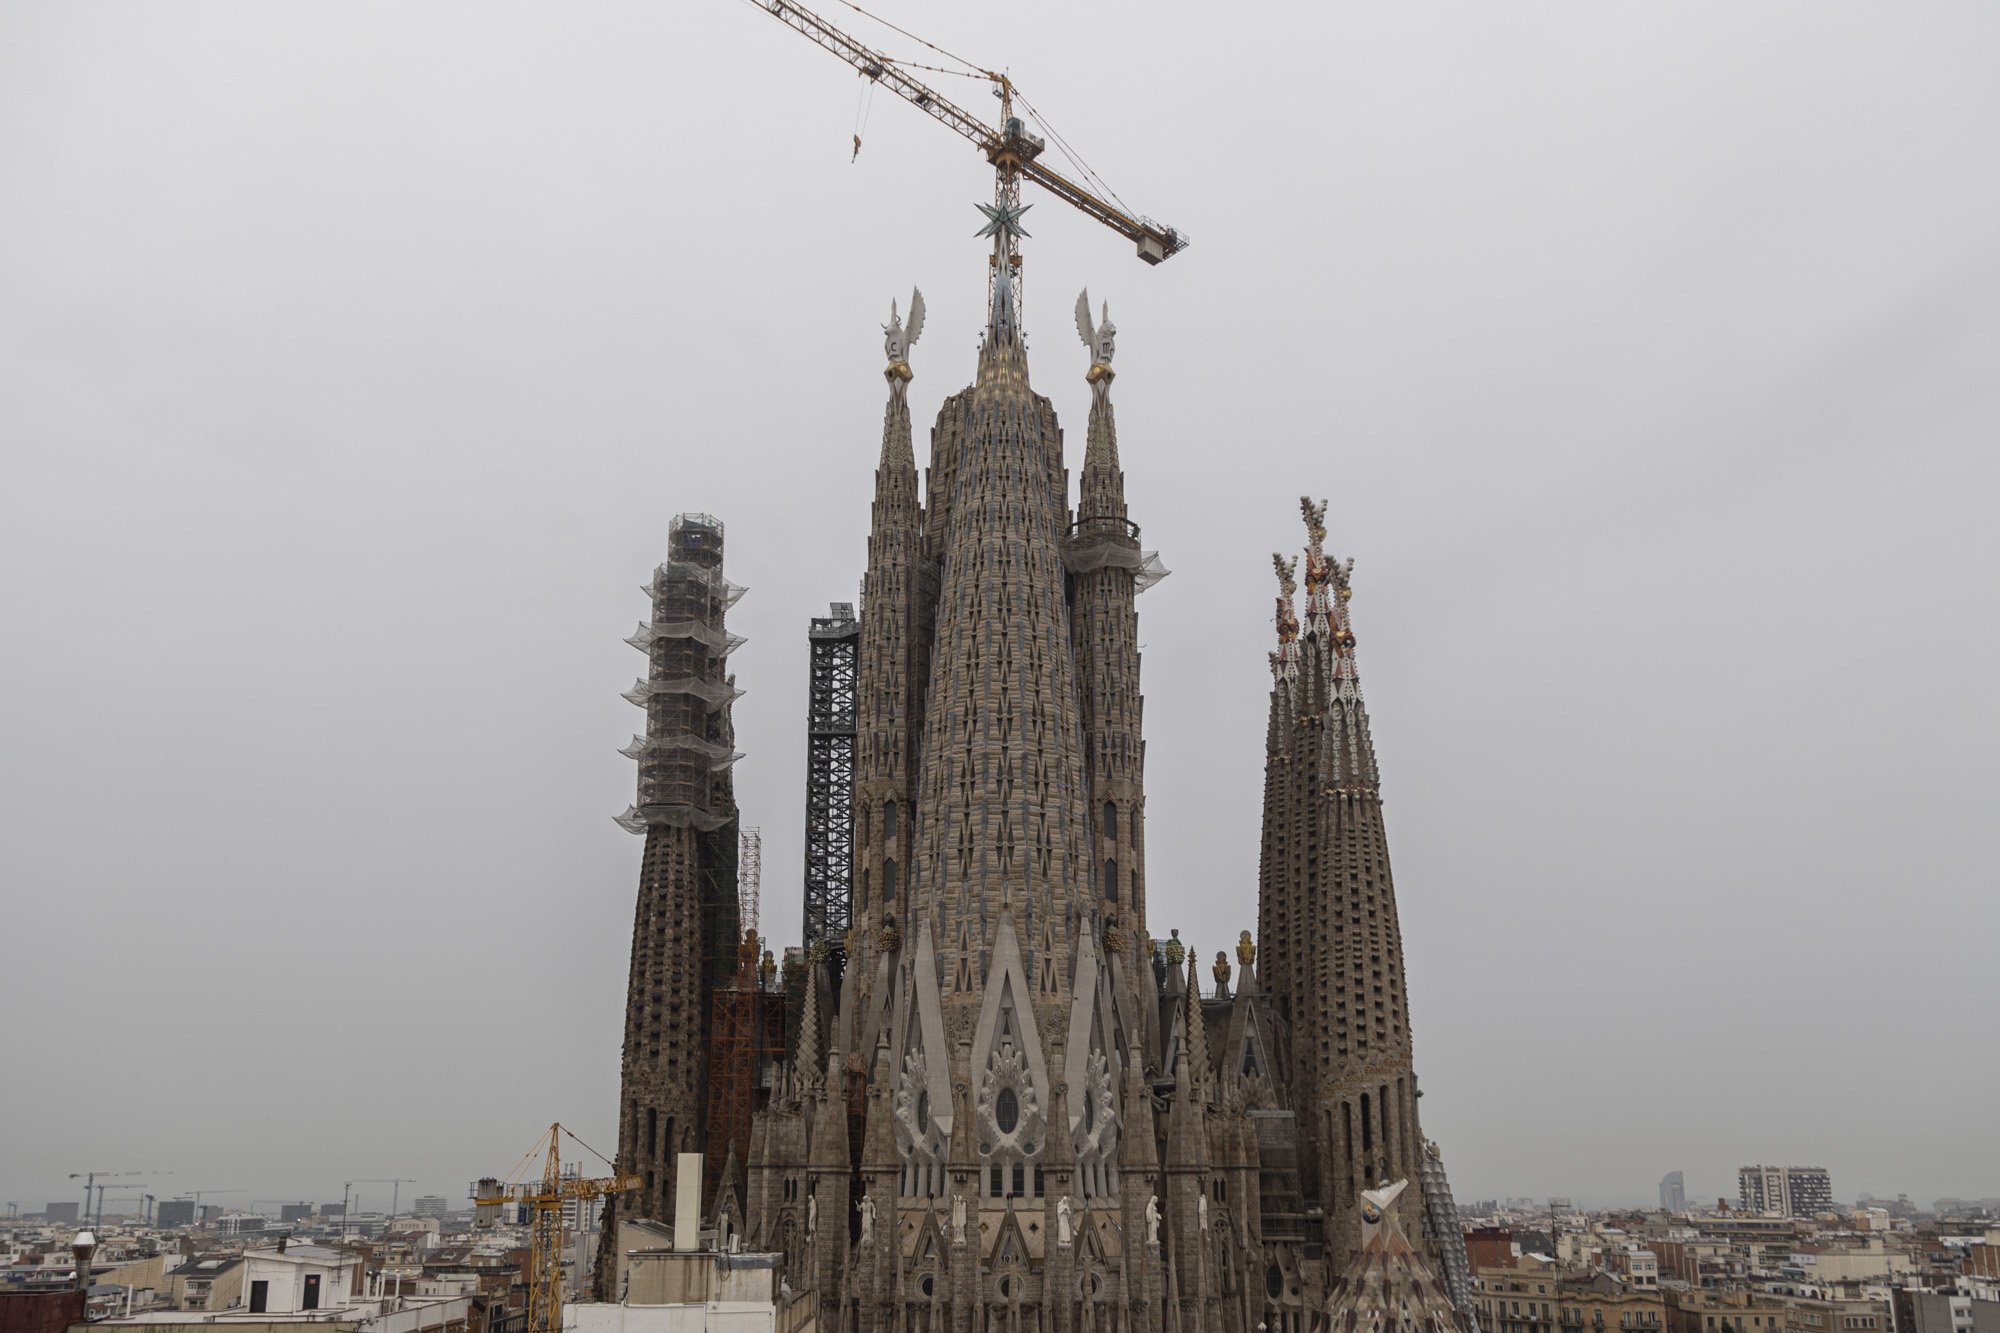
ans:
(358, 358)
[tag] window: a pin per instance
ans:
(889, 880)
(1111, 880)
(260, 1296)
(1111, 820)
(889, 819)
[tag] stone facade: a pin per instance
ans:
(1007, 1106)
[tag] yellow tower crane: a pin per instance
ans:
(546, 1199)
(1013, 151)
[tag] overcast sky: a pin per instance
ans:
(354, 358)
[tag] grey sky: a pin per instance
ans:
(354, 358)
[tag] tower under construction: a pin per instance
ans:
(686, 928)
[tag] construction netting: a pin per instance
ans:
(1084, 555)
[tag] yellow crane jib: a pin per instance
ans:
(1009, 147)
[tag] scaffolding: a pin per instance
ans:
(749, 876)
(746, 1043)
(835, 641)
(689, 743)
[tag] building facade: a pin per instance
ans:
(1006, 1103)
(1785, 1191)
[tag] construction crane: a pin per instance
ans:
(546, 1198)
(197, 1196)
(395, 1194)
(90, 1179)
(1013, 151)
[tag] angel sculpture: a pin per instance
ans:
(1375, 1205)
(897, 341)
(1102, 340)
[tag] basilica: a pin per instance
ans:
(999, 1101)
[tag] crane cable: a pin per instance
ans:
(1074, 157)
(918, 40)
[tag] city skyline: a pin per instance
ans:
(349, 417)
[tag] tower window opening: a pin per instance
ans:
(1111, 820)
(889, 819)
(1111, 881)
(888, 881)
(1367, 1126)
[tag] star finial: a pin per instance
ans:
(1002, 219)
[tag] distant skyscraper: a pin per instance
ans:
(1785, 1191)
(1673, 1193)
(61, 1214)
(174, 1213)
(430, 1205)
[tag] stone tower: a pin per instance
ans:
(685, 929)
(1328, 908)
(1008, 1107)
(970, 1133)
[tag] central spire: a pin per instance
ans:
(1003, 224)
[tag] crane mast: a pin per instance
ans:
(1013, 151)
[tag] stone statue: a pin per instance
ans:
(1375, 1205)
(1221, 972)
(867, 1219)
(812, 1215)
(1153, 1221)
(1102, 340)
(1246, 949)
(1062, 1220)
(1201, 1211)
(958, 1219)
(897, 341)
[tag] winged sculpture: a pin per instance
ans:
(898, 339)
(1101, 339)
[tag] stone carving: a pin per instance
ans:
(1102, 340)
(1201, 1211)
(1062, 1221)
(958, 1219)
(1246, 949)
(1153, 1221)
(897, 340)
(1097, 1129)
(867, 1219)
(1008, 1073)
(812, 1216)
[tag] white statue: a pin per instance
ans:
(867, 1219)
(897, 341)
(812, 1215)
(1102, 340)
(1153, 1221)
(1062, 1220)
(1201, 1211)
(958, 1219)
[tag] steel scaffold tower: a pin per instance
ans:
(835, 640)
